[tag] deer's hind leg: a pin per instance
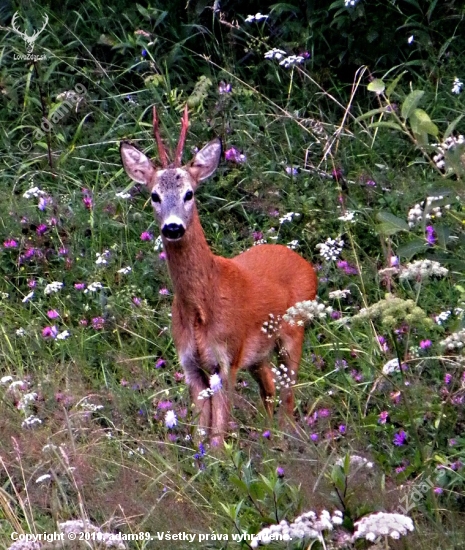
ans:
(289, 350)
(262, 373)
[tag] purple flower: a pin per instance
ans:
(371, 183)
(79, 286)
(136, 301)
(160, 363)
(52, 314)
(257, 235)
(162, 256)
(438, 490)
(447, 378)
(43, 201)
(50, 332)
(98, 323)
(400, 438)
(233, 155)
(146, 236)
(314, 437)
(224, 88)
(163, 405)
(41, 229)
(10, 243)
(347, 268)
(382, 417)
(342, 429)
(324, 413)
(143, 53)
(430, 238)
(164, 291)
(266, 434)
(452, 442)
(280, 471)
(424, 344)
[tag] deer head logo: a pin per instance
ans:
(29, 39)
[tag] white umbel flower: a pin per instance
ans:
(382, 524)
(422, 269)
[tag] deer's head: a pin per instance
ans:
(172, 186)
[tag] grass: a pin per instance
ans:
(89, 372)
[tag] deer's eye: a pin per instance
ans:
(156, 197)
(188, 196)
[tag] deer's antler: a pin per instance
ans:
(182, 137)
(161, 148)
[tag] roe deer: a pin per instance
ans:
(226, 312)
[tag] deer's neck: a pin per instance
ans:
(194, 271)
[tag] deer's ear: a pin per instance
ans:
(206, 161)
(137, 166)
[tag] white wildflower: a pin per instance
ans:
(170, 419)
(21, 384)
(215, 383)
(410, 39)
(125, 270)
(456, 340)
(350, 3)
(275, 53)
(31, 421)
(339, 294)
(102, 258)
(26, 400)
(347, 217)
(257, 17)
(422, 269)
(288, 217)
(63, 335)
(53, 287)
(330, 249)
(391, 366)
(122, 195)
(5, 379)
(449, 143)
(442, 317)
(355, 461)
(20, 332)
(381, 524)
(292, 61)
(93, 287)
(28, 297)
(43, 478)
(158, 244)
(293, 244)
(308, 310)
(33, 192)
(457, 86)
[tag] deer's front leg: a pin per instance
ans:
(198, 384)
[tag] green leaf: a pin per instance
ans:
(393, 85)
(390, 224)
(384, 124)
(371, 113)
(451, 127)
(443, 234)
(421, 123)
(411, 249)
(377, 86)
(410, 103)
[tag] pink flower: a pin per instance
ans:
(79, 286)
(52, 314)
(424, 344)
(164, 292)
(98, 322)
(146, 236)
(136, 301)
(41, 229)
(382, 417)
(233, 155)
(50, 332)
(10, 243)
(162, 255)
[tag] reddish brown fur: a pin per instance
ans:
(221, 304)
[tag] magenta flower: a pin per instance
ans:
(347, 268)
(266, 434)
(400, 438)
(50, 332)
(342, 429)
(79, 286)
(160, 363)
(162, 256)
(83, 322)
(447, 378)
(257, 235)
(10, 243)
(280, 471)
(87, 202)
(233, 155)
(136, 301)
(438, 490)
(324, 413)
(31, 283)
(52, 314)
(164, 291)
(163, 405)
(382, 417)
(425, 344)
(371, 183)
(41, 229)
(146, 236)
(98, 323)
(314, 437)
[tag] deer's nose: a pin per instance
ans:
(173, 231)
